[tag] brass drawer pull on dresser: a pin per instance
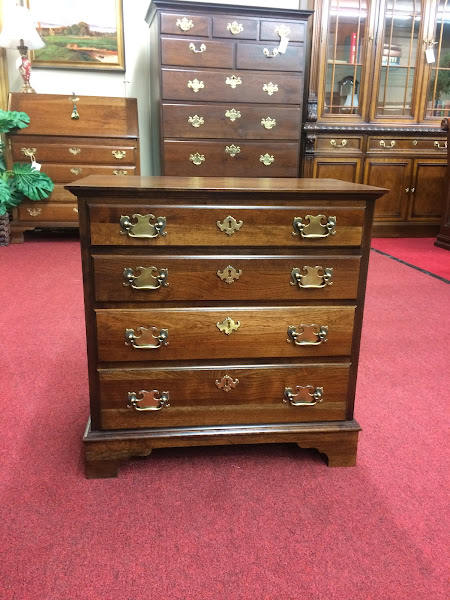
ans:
(233, 114)
(229, 225)
(228, 325)
(229, 274)
(76, 170)
(184, 24)
(146, 341)
(232, 150)
(308, 395)
(270, 88)
(193, 48)
(142, 228)
(196, 121)
(267, 159)
(235, 28)
(119, 154)
(29, 152)
(336, 145)
(312, 277)
(268, 123)
(74, 151)
(315, 228)
(195, 85)
(149, 278)
(159, 400)
(384, 145)
(119, 172)
(197, 158)
(227, 383)
(34, 212)
(233, 81)
(309, 335)
(438, 145)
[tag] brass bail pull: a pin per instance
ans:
(75, 115)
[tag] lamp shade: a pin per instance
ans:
(18, 25)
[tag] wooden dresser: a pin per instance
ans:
(222, 311)
(71, 136)
(227, 88)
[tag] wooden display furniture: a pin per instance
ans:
(222, 311)
(443, 237)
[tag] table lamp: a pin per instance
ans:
(19, 32)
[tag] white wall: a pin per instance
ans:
(134, 83)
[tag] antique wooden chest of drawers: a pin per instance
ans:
(222, 311)
(227, 88)
(71, 137)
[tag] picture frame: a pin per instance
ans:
(81, 34)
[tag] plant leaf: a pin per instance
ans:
(9, 119)
(5, 196)
(16, 195)
(32, 183)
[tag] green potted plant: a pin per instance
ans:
(22, 181)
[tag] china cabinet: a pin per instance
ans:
(379, 88)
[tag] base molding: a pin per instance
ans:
(106, 451)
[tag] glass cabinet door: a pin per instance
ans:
(347, 23)
(438, 92)
(398, 58)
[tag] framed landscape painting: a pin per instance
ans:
(79, 34)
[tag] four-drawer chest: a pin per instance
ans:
(222, 311)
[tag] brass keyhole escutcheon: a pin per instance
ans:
(228, 325)
(229, 225)
(229, 274)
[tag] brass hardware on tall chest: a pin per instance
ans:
(266, 159)
(160, 400)
(336, 145)
(76, 170)
(413, 190)
(229, 225)
(270, 88)
(233, 114)
(75, 210)
(149, 278)
(142, 228)
(308, 335)
(193, 48)
(235, 27)
(415, 142)
(407, 190)
(312, 277)
(283, 31)
(196, 121)
(29, 152)
(195, 85)
(34, 212)
(438, 145)
(384, 145)
(228, 325)
(184, 24)
(232, 150)
(74, 151)
(268, 123)
(308, 395)
(315, 228)
(233, 81)
(227, 383)
(147, 337)
(119, 172)
(75, 116)
(197, 158)
(119, 154)
(229, 274)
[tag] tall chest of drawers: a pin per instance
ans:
(222, 311)
(227, 88)
(71, 137)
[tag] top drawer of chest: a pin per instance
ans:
(159, 224)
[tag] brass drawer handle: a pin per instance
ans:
(149, 278)
(233, 81)
(312, 277)
(119, 172)
(227, 383)
(232, 150)
(196, 121)
(229, 274)
(308, 335)
(29, 152)
(406, 190)
(228, 325)
(160, 400)
(142, 228)
(197, 158)
(438, 145)
(34, 212)
(268, 123)
(146, 341)
(308, 395)
(315, 228)
(184, 24)
(267, 159)
(75, 209)
(76, 170)
(119, 154)
(270, 88)
(235, 27)
(336, 145)
(283, 31)
(195, 85)
(74, 151)
(233, 114)
(193, 49)
(229, 225)
(383, 144)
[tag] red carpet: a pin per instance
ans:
(419, 252)
(227, 523)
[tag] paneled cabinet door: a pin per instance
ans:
(346, 169)
(394, 174)
(429, 185)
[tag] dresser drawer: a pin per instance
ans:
(235, 27)
(185, 24)
(60, 194)
(251, 56)
(222, 395)
(209, 86)
(68, 173)
(194, 53)
(161, 278)
(382, 144)
(269, 30)
(225, 226)
(205, 158)
(225, 332)
(42, 212)
(330, 143)
(102, 152)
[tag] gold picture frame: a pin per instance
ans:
(81, 34)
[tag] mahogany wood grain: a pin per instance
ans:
(443, 237)
(47, 212)
(251, 56)
(221, 30)
(429, 182)
(177, 52)
(297, 31)
(71, 172)
(201, 24)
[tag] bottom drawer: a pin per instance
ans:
(48, 212)
(222, 395)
